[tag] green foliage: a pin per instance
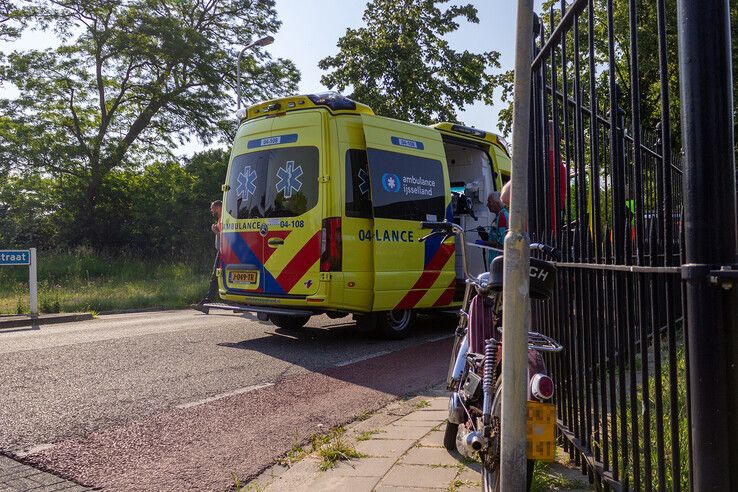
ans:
(401, 65)
(129, 81)
(648, 76)
(162, 210)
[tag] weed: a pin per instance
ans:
(422, 404)
(364, 415)
(336, 449)
(236, 482)
(366, 435)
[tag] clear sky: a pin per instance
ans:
(311, 29)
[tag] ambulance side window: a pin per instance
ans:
(358, 198)
(406, 187)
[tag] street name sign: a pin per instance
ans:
(15, 257)
(24, 257)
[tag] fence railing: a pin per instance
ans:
(606, 189)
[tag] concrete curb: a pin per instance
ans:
(44, 319)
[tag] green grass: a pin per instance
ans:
(546, 479)
(680, 430)
(85, 281)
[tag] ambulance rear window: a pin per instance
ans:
(273, 183)
(358, 198)
(406, 187)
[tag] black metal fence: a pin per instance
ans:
(606, 189)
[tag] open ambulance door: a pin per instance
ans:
(409, 185)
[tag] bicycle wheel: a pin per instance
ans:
(491, 458)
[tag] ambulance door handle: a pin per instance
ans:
(275, 241)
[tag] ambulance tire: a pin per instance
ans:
(397, 324)
(289, 322)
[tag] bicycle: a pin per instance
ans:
(474, 419)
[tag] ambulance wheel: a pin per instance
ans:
(289, 322)
(396, 324)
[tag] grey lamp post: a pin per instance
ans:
(259, 42)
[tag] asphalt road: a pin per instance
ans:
(178, 399)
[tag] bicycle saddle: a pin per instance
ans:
(542, 277)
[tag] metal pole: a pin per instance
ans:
(33, 284)
(710, 239)
(266, 40)
(516, 305)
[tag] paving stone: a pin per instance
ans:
(434, 439)
(21, 483)
(383, 448)
(471, 472)
(431, 456)
(419, 476)
(46, 479)
(363, 467)
(403, 432)
(342, 484)
(425, 424)
(389, 488)
(427, 415)
(437, 403)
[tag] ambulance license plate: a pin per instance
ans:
(243, 278)
(540, 433)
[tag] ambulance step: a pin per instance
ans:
(240, 308)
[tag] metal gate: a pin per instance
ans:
(606, 188)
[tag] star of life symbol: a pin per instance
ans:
(246, 183)
(363, 181)
(391, 183)
(289, 179)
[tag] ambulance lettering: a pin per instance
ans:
(393, 236)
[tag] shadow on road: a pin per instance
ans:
(344, 352)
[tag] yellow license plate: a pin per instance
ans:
(540, 433)
(247, 278)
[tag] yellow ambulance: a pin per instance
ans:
(323, 204)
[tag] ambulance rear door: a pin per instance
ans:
(409, 185)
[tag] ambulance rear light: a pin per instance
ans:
(333, 100)
(331, 247)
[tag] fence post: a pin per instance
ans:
(710, 239)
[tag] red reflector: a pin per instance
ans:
(331, 245)
(315, 300)
(542, 387)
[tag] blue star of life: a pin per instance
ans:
(289, 179)
(246, 183)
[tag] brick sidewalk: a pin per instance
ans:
(17, 477)
(403, 450)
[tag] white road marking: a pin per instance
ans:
(360, 359)
(239, 391)
(442, 337)
(35, 449)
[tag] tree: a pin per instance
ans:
(401, 66)
(128, 81)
